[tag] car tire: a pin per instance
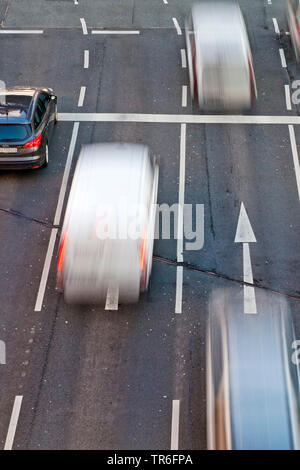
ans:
(46, 156)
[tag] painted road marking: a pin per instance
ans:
(178, 118)
(21, 31)
(288, 97)
(81, 96)
(86, 59)
(103, 31)
(112, 297)
(183, 58)
(295, 157)
(276, 27)
(13, 423)
(175, 424)
(282, 58)
(66, 174)
(184, 96)
(179, 283)
(178, 29)
(45, 273)
(83, 24)
(244, 234)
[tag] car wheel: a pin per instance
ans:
(46, 157)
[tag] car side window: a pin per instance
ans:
(39, 113)
(45, 99)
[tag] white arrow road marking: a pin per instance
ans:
(244, 234)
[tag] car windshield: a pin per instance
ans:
(14, 132)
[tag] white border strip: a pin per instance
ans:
(178, 118)
(83, 24)
(282, 58)
(86, 59)
(178, 29)
(45, 273)
(181, 193)
(66, 174)
(13, 422)
(21, 31)
(276, 27)
(81, 96)
(288, 97)
(179, 283)
(175, 424)
(103, 31)
(295, 157)
(183, 58)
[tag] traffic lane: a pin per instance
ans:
(102, 380)
(254, 166)
(22, 243)
(163, 141)
(33, 194)
(57, 62)
(142, 74)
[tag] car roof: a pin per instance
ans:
(17, 107)
(220, 31)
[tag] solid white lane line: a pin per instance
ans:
(183, 58)
(184, 96)
(282, 58)
(107, 31)
(165, 2)
(178, 29)
(276, 27)
(181, 193)
(13, 423)
(81, 96)
(175, 424)
(45, 273)
(83, 24)
(86, 59)
(288, 97)
(66, 174)
(21, 31)
(112, 297)
(178, 118)
(295, 157)
(179, 282)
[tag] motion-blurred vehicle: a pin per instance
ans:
(27, 116)
(219, 57)
(293, 20)
(107, 238)
(252, 384)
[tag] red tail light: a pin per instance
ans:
(143, 250)
(61, 252)
(36, 142)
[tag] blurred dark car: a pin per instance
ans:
(252, 383)
(293, 20)
(27, 117)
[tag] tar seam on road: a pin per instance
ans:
(26, 217)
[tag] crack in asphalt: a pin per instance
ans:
(27, 217)
(225, 277)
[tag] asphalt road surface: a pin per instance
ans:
(87, 378)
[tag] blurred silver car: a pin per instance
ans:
(107, 237)
(252, 383)
(219, 57)
(293, 20)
